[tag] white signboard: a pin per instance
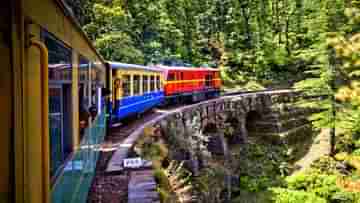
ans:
(132, 163)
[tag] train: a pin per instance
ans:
(138, 88)
(53, 108)
(59, 96)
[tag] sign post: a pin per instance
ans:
(133, 163)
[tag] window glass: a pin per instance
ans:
(208, 80)
(84, 93)
(59, 60)
(158, 82)
(97, 82)
(145, 84)
(97, 77)
(126, 85)
(55, 124)
(171, 76)
(136, 84)
(152, 83)
(60, 111)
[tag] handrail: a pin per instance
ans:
(44, 58)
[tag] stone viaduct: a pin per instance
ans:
(269, 114)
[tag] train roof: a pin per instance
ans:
(118, 65)
(181, 68)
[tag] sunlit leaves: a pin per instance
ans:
(119, 47)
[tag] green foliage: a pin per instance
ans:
(356, 152)
(162, 181)
(313, 186)
(294, 196)
(154, 151)
(325, 165)
(119, 47)
(256, 44)
(260, 41)
(255, 184)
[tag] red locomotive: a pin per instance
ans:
(190, 84)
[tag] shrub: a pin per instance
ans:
(295, 196)
(313, 186)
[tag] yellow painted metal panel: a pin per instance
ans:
(45, 149)
(75, 100)
(48, 15)
(141, 84)
(132, 84)
(32, 122)
(119, 92)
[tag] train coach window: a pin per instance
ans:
(208, 80)
(60, 63)
(152, 83)
(136, 84)
(60, 98)
(158, 82)
(126, 85)
(84, 93)
(145, 84)
(171, 76)
(97, 82)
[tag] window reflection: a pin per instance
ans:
(136, 84)
(60, 111)
(126, 85)
(145, 84)
(158, 85)
(84, 94)
(97, 82)
(152, 83)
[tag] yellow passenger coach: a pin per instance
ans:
(52, 106)
(136, 89)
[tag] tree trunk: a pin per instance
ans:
(299, 10)
(332, 66)
(245, 11)
(287, 37)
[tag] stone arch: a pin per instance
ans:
(214, 144)
(251, 119)
(236, 130)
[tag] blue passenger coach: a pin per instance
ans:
(135, 89)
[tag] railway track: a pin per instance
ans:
(112, 186)
(239, 92)
(108, 187)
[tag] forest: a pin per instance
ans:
(310, 45)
